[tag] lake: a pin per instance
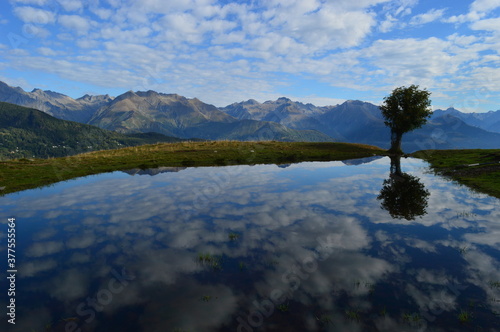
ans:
(315, 246)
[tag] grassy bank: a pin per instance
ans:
(483, 176)
(21, 174)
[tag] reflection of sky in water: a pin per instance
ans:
(311, 236)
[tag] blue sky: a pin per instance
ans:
(318, 51)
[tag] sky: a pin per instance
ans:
(220, 51)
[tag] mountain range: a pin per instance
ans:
(361, 122)
(282, 119)
(167, 114)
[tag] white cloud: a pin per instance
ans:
(102, 13)
(329, 27)
(182, 27)
(492, 24)
(463, 18)
(47, 51)
(411, 58)
(388, 24)
(74, 22)
(30, 2)
(395, 13)
(87, 43)
(71, 5)
(477, 10)
(222, 51)
(31, 31)
(461, 40)
(484, 5)
(431, 16)
(485, 78)
(35, 15)
(400, 7)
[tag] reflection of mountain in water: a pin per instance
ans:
(361, 161)
(284, 165)
(153, 171)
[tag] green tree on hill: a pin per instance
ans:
(406, 109)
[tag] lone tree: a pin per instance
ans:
(406, 109)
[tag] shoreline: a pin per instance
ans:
(22, 174)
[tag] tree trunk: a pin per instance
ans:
(396, 143)
(396, 165)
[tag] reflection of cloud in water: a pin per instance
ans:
(483, 270)
(47, 233)
(31, 268)
(69, 285)
(81, 241)
(433, 277)
(39, 249)
(189, 312)
(78, 257)
(430, 299)
(156, 226)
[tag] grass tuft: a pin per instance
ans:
(464, 316)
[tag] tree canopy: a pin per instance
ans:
(405, 109)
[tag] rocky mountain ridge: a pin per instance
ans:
(282, 119)
(361, 122)
(150, 111)
(54, 103)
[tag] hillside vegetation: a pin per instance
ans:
(20, 174)
(28, 133)
(476, 168)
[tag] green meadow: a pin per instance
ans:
(21, 174)
(478, 169)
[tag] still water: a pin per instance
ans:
(317, 246)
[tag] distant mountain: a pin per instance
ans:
(168, 114)
(450, 132)
(27, 132)
(489, 121)
(151, 111)
(344, 122)
(360, 122)
(284, 111)
(174, 115)
(283, 119)
(53, 103)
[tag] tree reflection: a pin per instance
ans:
(403, 195)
